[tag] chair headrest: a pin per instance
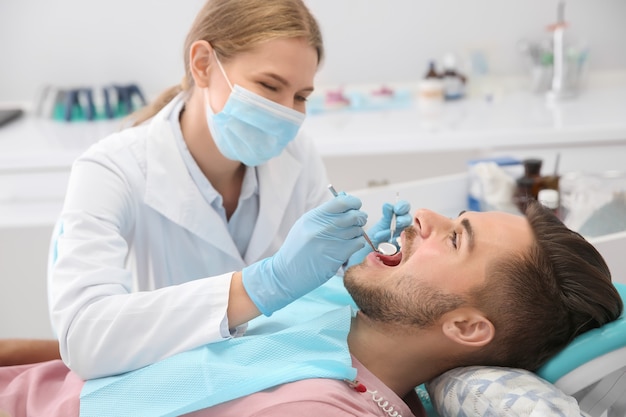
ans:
(587, 346)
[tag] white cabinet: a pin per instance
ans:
(362, 171)
(23, 297)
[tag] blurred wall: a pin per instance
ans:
(75, 42)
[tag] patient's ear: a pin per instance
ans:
(468, 326)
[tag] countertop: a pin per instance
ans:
(513, 119)
(517, 119)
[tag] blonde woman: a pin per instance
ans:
(208, 212)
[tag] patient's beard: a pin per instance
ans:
(409, 303)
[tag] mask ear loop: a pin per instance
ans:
(219, 64)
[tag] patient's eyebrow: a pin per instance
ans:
(470, 233)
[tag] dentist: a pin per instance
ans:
(176, 232)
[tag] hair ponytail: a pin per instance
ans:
(148, 111)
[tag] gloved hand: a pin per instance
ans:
(380, 232)
(317, 245)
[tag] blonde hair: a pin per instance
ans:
(235, 26)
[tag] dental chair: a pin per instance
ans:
(587, 378)
(593, 368)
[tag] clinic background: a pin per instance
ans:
(74, 42)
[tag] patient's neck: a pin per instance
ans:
(401, 358)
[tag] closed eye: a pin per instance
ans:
(454, 239)
(299, 98)
(269, 87)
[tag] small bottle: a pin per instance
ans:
(432, 71)
(430, 93)
(523, 193)
(550, 181)
(532, 169)
(453, 81)
(549, 198)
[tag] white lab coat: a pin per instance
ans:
(144, 263)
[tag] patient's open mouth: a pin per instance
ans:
(391, 260)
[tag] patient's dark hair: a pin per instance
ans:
(540, 300)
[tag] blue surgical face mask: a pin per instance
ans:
(250, 128)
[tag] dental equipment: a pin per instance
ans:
(561, 75)
(392, 227)
(384, 248)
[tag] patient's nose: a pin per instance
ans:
(430, 222)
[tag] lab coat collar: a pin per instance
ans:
(172, 192)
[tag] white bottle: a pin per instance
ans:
(453, 81)
(550, 199)
(430, 96)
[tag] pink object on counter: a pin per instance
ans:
(336, 98)
(383, 91)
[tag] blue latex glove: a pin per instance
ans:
(380, 232)
(317, 245)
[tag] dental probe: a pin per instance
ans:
(334, 192)
(392, 228)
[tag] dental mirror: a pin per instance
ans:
(387, 248)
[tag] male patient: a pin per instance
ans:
(482, 289)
